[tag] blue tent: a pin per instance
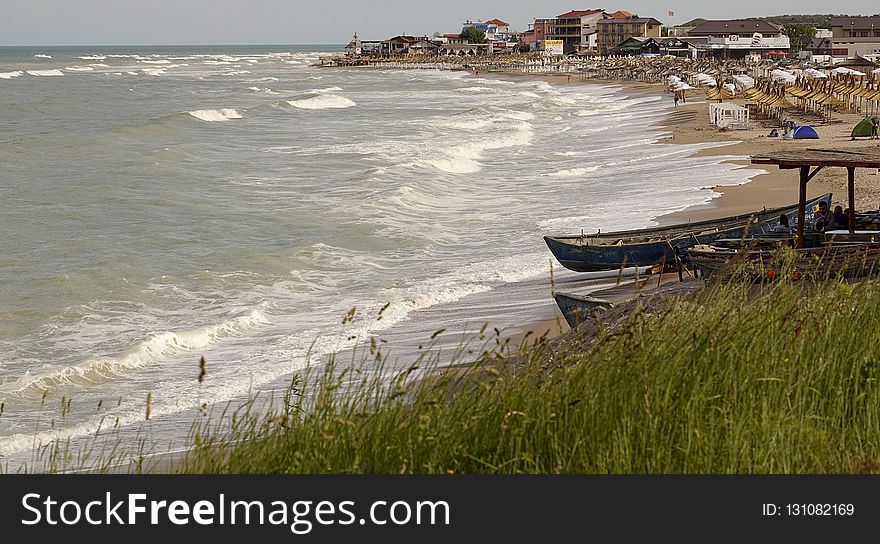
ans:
(805, 132)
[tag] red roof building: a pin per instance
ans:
(576, 29)
(578, 13)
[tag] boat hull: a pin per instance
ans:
(576, 308)
(586, 258)
(650, 247)
(850, 260)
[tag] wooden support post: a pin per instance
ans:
(802, 205)
(851, 186)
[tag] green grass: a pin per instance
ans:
(779, 378)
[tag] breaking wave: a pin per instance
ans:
(149, 351)
(571, 173)
(215, 116)
(322, 102)
(464, 158)
(262, 90)
(45, 73)
(10, 75)
(325, 90)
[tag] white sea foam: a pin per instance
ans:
(519, 115)
(99, 65)
(164, 363)
(462, 123)
(572, 172)
(214, 116)
(149, 351)
(614, 105)
(42, 56)
(79, 69)
(264, 90)
(325, 90)
(154, 71)
(93, 57)
(477, 90)
(464, 158)
(10, 75)
(322, 102)
(46, 73)
(160, 61)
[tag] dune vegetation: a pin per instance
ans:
(774, 377)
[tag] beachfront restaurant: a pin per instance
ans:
(735, 46)
(682, 47)
(636, 46)
(647, 46)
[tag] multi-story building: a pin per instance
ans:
(679, 31)
(407, 45)
(613, 31)
(536, 40)
(398, 45)
(576, 29)
(742, 38)
(500, 26)
(488, 28)
(741, 27)
(857, 36)
(498, 34)
(855, 27)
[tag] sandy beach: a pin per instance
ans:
(688, 123)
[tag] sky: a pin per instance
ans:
(185, 22)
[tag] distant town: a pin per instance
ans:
(600, 33)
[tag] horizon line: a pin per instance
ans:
(165, 44)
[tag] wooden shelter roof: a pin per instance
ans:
(821, 157)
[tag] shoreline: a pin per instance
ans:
(688, 123)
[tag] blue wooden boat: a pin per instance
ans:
(654, 246)
(577, 308)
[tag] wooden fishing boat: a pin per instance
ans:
(578, 308)
(653, 246)
(847, 259)
(824, 254)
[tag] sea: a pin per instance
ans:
(163, 204)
